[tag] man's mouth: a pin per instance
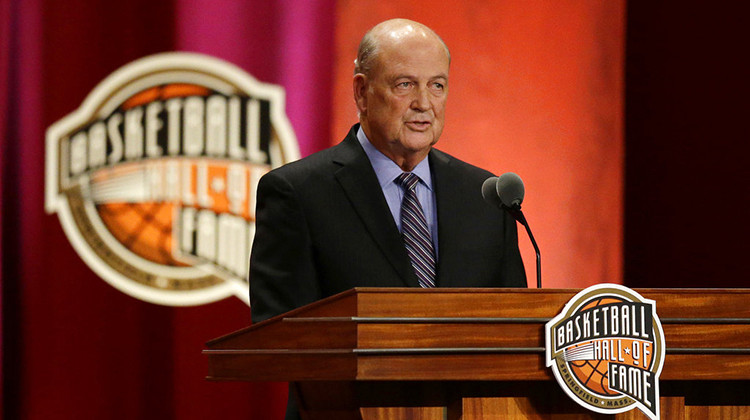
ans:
(418, 125)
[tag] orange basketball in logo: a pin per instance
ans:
(143, 228)
(593, 375)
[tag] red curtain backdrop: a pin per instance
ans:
(5, 22)
(536, 88)
(74, 347)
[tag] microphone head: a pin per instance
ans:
(489, 191)
(510, 190)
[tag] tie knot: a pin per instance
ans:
(407, 180)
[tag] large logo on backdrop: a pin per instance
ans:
(154, 176)
(606, 349)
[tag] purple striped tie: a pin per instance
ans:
(415, 233)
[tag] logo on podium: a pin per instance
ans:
(606, 350)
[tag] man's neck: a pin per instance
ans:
(407, 162)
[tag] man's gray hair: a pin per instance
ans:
(365, 54)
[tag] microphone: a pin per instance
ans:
(510, 190)
(507, 192)
(489, 191)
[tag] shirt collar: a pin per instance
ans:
(386, 169)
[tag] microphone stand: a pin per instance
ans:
(517, 214)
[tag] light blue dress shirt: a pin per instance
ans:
(387, 171)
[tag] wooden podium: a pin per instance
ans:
(471, 354)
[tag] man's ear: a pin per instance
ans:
(360, 88)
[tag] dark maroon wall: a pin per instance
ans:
(687, 78)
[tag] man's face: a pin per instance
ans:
(402, 106)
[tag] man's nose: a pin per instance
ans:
(421, 100)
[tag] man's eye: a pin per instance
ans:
(404, 85)
(439, 86)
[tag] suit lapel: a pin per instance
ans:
(359, 182)
(449, 236)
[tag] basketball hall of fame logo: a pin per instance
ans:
(606, 350)
(154, 176)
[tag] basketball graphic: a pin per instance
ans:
(590, 373)
(144, 228)
(154, 176)
(606, 350)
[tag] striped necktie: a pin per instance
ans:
(415, 233)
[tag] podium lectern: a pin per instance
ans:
(469, 354)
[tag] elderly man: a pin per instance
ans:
(333, 220)
(383, 207)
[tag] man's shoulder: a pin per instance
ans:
(315, 161)
(444, 162)
(323, 162)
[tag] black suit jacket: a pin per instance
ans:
(323, 226)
